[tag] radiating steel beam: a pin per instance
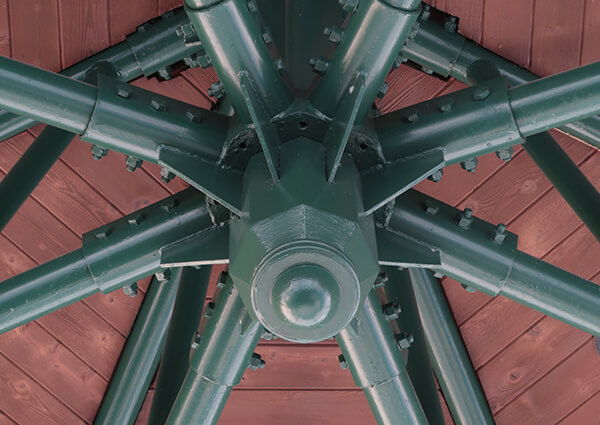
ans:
(451, 362)
(438, 47)
(233, 40)
(370, 44)
(113, 256)
(175, 359)
(369, 348)
(218, 362)
(154, 47)
(562, 172)
(484, 257)
(140, 356)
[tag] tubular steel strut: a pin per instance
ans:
(306, 193)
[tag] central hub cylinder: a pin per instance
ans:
(303, 253)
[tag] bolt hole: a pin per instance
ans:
(242, 146)
(302, 125)
(363, 147)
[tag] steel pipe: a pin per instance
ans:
(218, 363)
(113, 256)
(232, 52)
(140, 356)
(30, 169)
(370, 44)
(369, 348)
(451, 362)
(175, 359)
(486, 258)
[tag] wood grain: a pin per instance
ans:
(591, 33)
(126, 16)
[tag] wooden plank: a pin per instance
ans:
(556, 39)
(586, 414)
(126, 16)
(4, 29)
(513, 44)
(471, 17)
(54, 367)
(527, 359)
(27, 402)
(576, 379)
(5, 420)
(591, 33)
(166, 5)
(202, 79)
(34, 32)
(83, 29)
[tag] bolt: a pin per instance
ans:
(469, 165)
(343, 362)
(168, 14)
(166, 175)
(143, 27)
(131, 290)
(103, 233)
(193, 116)
(399, 61)
(203, 61)
(431, 208)
(465, 219)
(481, 93)
(209, 310)
(185, 31)
(191, 61)
(98, 152)
(505, 154)
(451, 24)
(124, 92)
(256, 362)
(165, 72)
(498, 234)
(222, 279)
(136, 219)
(169, 205)
(163, 275)
(404, 340)
(196, 340)
(266, 36)
(381, 280)
(280, 66)
(334, 34)
(349, 6)
(437, 176)
(382, 90)
(468, 288)
(267, 335)
(446, 105)
(391, 311)
(133, 163)
(252, 6)
(412, 117)
(425, 12)
(158, 105)
(216, 90)
(319, 65)
(438, 275)
(414, 30)
(426, 70)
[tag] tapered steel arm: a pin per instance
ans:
(378, 367)
(114, 256)
(175, 359)
(484, 257)
(218, 362)
(370, 44)
(451, 362)
(449, 53)
(141, 354)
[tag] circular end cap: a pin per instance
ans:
(305, 292)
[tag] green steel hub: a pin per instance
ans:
(303, 255)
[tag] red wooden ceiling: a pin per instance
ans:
(534, 370)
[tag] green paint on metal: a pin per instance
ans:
(218, 362)
(369, 348)
(140, 356)
(175, 359)
(453, 368)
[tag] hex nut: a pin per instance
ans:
(404, 340)
(505, 154)
(437, 176)
(465, 219)
(166, 175)
(319, 65)
(498, 234)
(132, 163)
(136, 219)
(349, 6)
(209, 310)
(481, 93)
(216, 90)
(391, 311)
(469, 165)
(222, 280)
(256, 362)
(163, 275)
(158, 105)
(98, 152)
(381, 280)
(343, 362)
(131, 290)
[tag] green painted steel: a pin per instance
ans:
(378, 367)
(313, 251)
(453, 368)
(30, 169)
(218, 362)
(485, 257)
(155, 46)
(140, 355)
(113, 256)
(399, 292)
(450, 54)
(370, 52)
(175, 359)
(232, 52)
